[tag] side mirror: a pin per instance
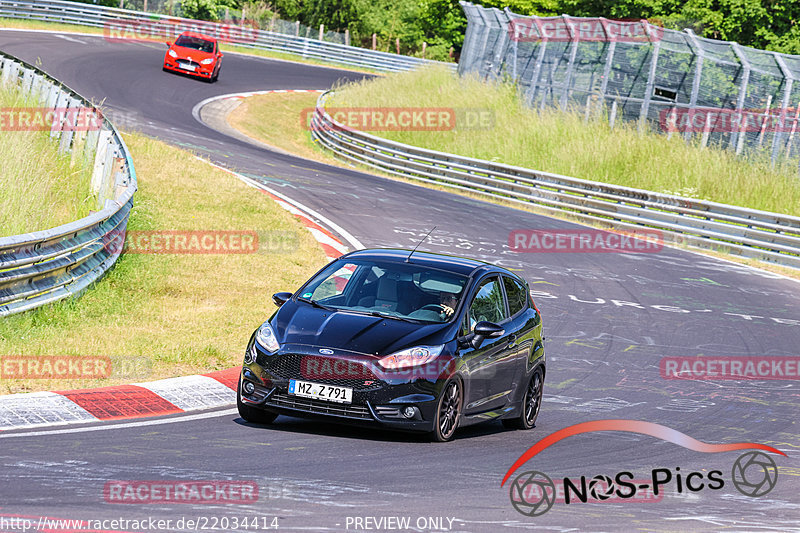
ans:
(220, 54)
(280, 298)
(169, 44)
(486, 330)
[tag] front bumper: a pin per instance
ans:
(379, 398)
(201, 71)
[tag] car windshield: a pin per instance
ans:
(195, 43)
(404, 291)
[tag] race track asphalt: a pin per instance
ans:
(605, 340)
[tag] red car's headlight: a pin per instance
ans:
(207, 61)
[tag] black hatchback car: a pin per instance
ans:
(404, 340)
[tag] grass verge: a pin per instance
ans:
(43, 191)
(564, 143)
(275, 119)
(172, 314)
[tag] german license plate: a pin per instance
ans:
(319, 391)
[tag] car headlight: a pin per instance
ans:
(207, 61)
(172, 53)
(266, 338)
(418, 355)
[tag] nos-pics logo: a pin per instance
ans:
(533, 493)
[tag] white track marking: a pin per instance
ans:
(192, 393)
(40, 409)
(70, 39)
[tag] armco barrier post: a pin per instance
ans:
(27, 81)
(103, 144)
(61, 103)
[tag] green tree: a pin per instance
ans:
(200, 9)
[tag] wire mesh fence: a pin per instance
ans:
(707, 91)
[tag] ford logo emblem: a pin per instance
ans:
(325, 351)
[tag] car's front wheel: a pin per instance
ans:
(448, 411)
(252, 414)
(531, 403)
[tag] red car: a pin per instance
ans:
(194, 54)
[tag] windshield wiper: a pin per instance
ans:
(314, 303)
(387, 315)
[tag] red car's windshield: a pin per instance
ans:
(195, 43)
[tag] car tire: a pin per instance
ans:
(252, 414)
(531, 404)
(448, 411)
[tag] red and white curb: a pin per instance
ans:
(156, 398)
(165, 396)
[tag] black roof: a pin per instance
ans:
(449, 263)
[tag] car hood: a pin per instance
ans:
(191, 53)
(298, 323)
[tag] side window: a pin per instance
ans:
(516, 294)
(488, 303)
(335, 284)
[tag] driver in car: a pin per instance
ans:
(448, 303)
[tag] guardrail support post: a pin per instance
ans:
(60, 105)
(10, 72)
(53, 95)
(71, 114)
(27, 81)
(98, 172)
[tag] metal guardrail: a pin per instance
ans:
(766, 236)
(115, 20)
(50, 265)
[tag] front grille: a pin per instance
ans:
(318, 406)
(327, 370)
